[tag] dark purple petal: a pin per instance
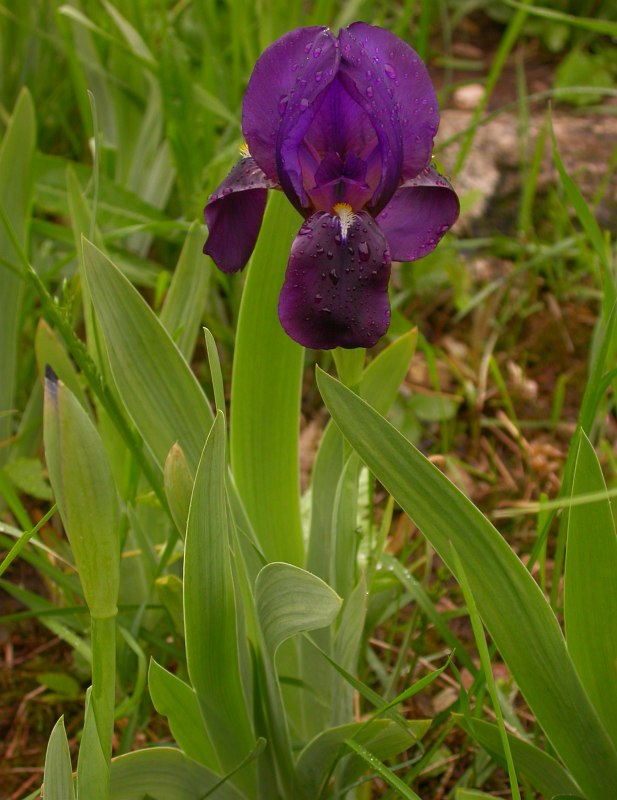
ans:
(338, 181)
(418, 215)
(336, 292)
(341, 125)
(234, 214)
(288, 77)
(389, 79)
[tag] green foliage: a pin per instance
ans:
(511, 605)
(209, 609)
(86, 496)
(16, 153)
(267, 617)
(265, 399)
(58, 778)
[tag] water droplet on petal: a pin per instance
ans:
(330, 254)
(317, 52)
(318, 298)
(334, 276)
(304, 103)
(364, 251)
(318, 76)
(390, 71)
(369, 91)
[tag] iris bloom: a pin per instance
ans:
(344, 126)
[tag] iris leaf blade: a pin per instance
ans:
(187, 295)
(590, 592)
(512, 606)
(58, 777)
(543, 771)
(210, 612)
(265, 395)
(178, 702)
(165, 772)
(16, 154)
(157, 387)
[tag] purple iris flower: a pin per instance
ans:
(344, 126)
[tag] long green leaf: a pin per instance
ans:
(265, 398)
(86, 496)
(16, 153)
(487, 667)
(384, 737)
(165, 773)
(605, 26)
(58, 777)
(379, 386)
(156, 385)
(512, 606)
(210, 611)
(590, 591)
(188, 292)
(92, 766)
(381, 769)
(543, 771)
(346, 649)
(178, 702)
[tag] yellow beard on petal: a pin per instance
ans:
(244, 150)
(345, 213)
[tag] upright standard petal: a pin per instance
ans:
(340, 153)
(336, 286)
(234, 213)
(287, 78)
(418, 215)
(389, 79)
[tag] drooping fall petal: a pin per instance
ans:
(418, 215)
(234, 214)
(336, 287)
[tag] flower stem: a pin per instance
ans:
(349, 365)
(104, 678)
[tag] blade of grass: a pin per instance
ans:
(380, 768)
(506, 44)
